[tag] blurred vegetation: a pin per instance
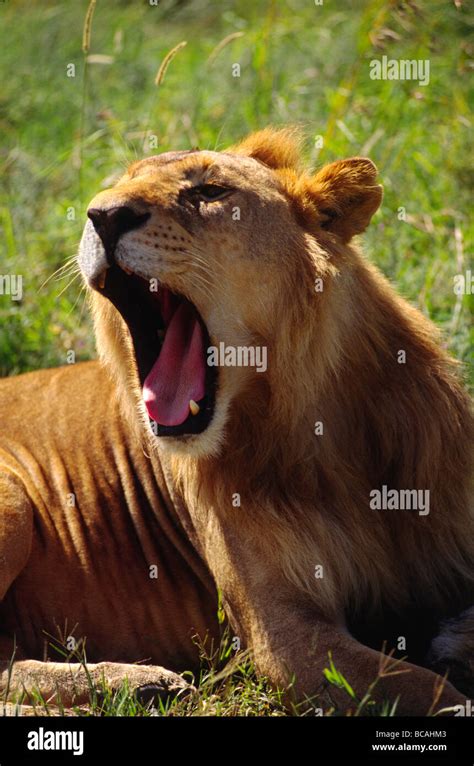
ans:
(63, 138)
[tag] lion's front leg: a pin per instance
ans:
(298, 645)
(67, 684)
(291, 638)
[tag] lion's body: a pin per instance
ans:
(103, 519)
(271, 495)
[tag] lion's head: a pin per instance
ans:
(209, 271)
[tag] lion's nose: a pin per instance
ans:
(112, 223)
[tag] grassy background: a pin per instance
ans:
(63, 138)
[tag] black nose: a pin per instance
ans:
(111, 224)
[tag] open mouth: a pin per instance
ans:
(170, 342)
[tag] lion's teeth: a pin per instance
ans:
(101, 280)
(194, 407)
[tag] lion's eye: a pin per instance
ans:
(211, 192)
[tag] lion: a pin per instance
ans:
(325, 495)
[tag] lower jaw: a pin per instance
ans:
(193, 425)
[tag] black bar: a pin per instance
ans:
(324, 740)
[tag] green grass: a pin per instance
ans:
(227, 685)
(62, 141)
(64, 138)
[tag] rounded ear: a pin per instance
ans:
(346, 196)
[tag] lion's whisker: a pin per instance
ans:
(78, 274)
(70, 264)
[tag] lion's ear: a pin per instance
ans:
(346, 196)
(276, 148)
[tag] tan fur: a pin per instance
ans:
(332, 358)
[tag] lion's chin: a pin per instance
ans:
(170, 342)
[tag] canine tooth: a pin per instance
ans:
(101, 280)
(194, 407)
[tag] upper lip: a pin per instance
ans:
(99, 281)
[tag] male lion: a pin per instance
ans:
(262, 483)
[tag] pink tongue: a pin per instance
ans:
(178, 374)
